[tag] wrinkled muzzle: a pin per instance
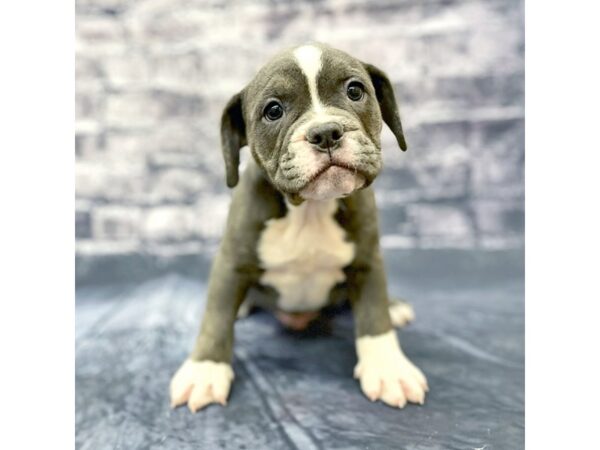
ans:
(328, 156)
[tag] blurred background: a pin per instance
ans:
(152, 77)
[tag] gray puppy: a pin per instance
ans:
(302, 228)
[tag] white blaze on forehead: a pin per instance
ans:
(309, 60)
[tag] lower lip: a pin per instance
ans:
(333, 182)
(333, 166)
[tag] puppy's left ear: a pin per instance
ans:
(387, 102)
(233, 137)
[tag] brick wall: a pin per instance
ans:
(153, 75)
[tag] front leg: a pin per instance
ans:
(385, 373)
(206, 376)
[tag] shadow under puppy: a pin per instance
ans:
(302, 228)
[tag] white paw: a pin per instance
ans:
(401, 313)
(244, 309)
(199, 383)
(386, 374)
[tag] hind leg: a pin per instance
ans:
(401, 312)
(245, 308)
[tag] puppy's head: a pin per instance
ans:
(312, 118)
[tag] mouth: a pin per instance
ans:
(334, 180)
(326, 167)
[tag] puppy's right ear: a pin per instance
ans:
(233, 137)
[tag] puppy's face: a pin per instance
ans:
(312, 118)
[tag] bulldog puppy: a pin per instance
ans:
(302, 228)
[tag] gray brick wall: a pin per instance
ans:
(153, 75)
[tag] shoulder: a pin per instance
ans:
(254, 199)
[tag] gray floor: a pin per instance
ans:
(297, 391)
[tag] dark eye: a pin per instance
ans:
(355, 91)
(273, 111)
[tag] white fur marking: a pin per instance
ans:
(309, 60)
(401, 313)
(199, 383)
(385, 373)
(303, 255)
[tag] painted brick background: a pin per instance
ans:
(152, 77)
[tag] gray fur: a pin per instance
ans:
(267, 182)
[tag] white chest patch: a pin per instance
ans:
(303, 255)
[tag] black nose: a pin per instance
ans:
(325, 136)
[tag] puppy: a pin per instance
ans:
(302, 228)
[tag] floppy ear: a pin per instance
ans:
(387, 102)
(233, 137)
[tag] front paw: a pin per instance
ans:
(401, 313)
(200, 383)
(386, 374)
